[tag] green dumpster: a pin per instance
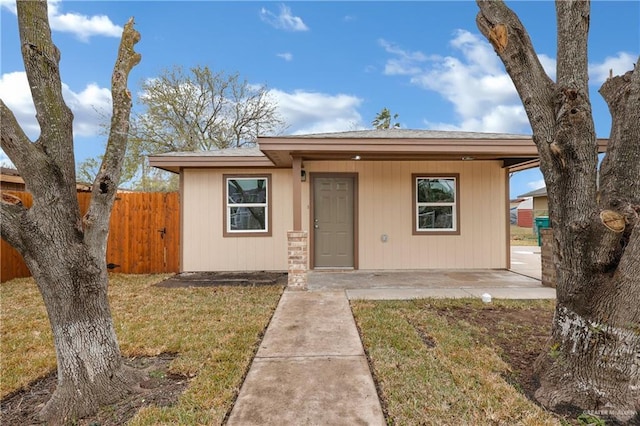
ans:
(541, 222)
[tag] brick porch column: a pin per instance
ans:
(298, 256)
(546, 255)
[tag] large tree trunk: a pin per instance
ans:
(592, 361)
(64, 251)
(90, 368)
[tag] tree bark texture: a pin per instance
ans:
(592, 361)
(65, 252)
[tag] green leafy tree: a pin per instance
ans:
(383, 120)
(64, 250)
(592, 359)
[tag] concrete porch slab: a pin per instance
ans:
(405, 293)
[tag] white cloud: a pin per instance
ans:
(5, 161)
(14, 91)
(82, 26)
(536, 184)
(404, 62)
(284, 20)
(9, 5)
(286, 56)
(474, 81)
(90, 107)
(619, 64)
(313, 112)
(549, 65)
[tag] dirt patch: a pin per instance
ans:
(519, 335)
(216, 279)
(161, 388)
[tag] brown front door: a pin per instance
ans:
(333, 221)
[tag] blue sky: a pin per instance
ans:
(330, 65)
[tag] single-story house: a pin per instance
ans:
(540, 202)
(513, 207)
(10, 180)
(525, 213)
(373, 199)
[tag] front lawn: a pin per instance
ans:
(213, 331)
(454, 362)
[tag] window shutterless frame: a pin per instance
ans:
(435, 204)
(247, 205)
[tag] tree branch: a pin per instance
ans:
(41, 61)
(619, 190)
(11, 213)
(620, 169)
(96, 220)
(501, 26)
(15, 142)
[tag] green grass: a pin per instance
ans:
(215, 332)
(431, 371)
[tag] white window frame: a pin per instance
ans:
(455, 205)
(228, 232)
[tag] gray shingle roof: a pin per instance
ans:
(228, 152)
(409, 134)
(540, 192)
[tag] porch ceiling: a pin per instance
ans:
(512, 151)
(517, 152)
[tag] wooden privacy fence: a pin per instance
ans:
(144, 235)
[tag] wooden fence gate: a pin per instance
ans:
(144, 235)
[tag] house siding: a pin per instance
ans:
(205, 248)
(384, 207)
(525, 218)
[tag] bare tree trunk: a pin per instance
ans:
(64, 251)
(592, 361)
(90, 368)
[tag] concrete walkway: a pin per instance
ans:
(310, 368)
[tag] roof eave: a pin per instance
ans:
(175, 163)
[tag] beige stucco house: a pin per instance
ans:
(371, 199)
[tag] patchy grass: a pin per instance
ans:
(434, 364)
(215, 332)
(523, 236)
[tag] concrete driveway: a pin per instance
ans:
(526, 260)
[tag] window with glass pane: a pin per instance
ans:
(247, 204)
(435, 208)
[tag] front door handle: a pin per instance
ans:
(316, 226)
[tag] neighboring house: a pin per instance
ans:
(10, 180)
(525, 213)
(513, 210)
(373, 199)
(540, 206)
